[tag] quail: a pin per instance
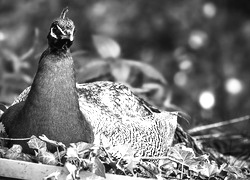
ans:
(103, 112)
(51, 106)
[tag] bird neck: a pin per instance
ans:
(54, 86)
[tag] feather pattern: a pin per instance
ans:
(120, 117)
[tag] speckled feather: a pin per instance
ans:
(120, 117)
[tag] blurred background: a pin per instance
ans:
(192, 56)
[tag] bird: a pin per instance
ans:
(101, 112)
(52, 106)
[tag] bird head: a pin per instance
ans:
(61, 34)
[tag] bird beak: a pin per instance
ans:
(68, 36)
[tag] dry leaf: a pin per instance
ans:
(46, 157)
(181, 153)
(36, 143)
(97, 167)
(15, 153)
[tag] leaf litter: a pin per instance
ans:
(180, 162)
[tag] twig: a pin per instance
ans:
(52, 142)
(59, 156)
(161, 158)
(219, 124)
(220, 136)
(15, 139)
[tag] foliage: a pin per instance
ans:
(180, 162)
(142, 78)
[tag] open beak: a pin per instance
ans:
(68, 36)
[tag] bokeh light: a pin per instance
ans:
(207, 100)
(180, 78)
(197, 39)
(2, 36)
(209, 10)
(185, 64)
(233, 86)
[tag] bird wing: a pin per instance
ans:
(119, 117)
(115, 98)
